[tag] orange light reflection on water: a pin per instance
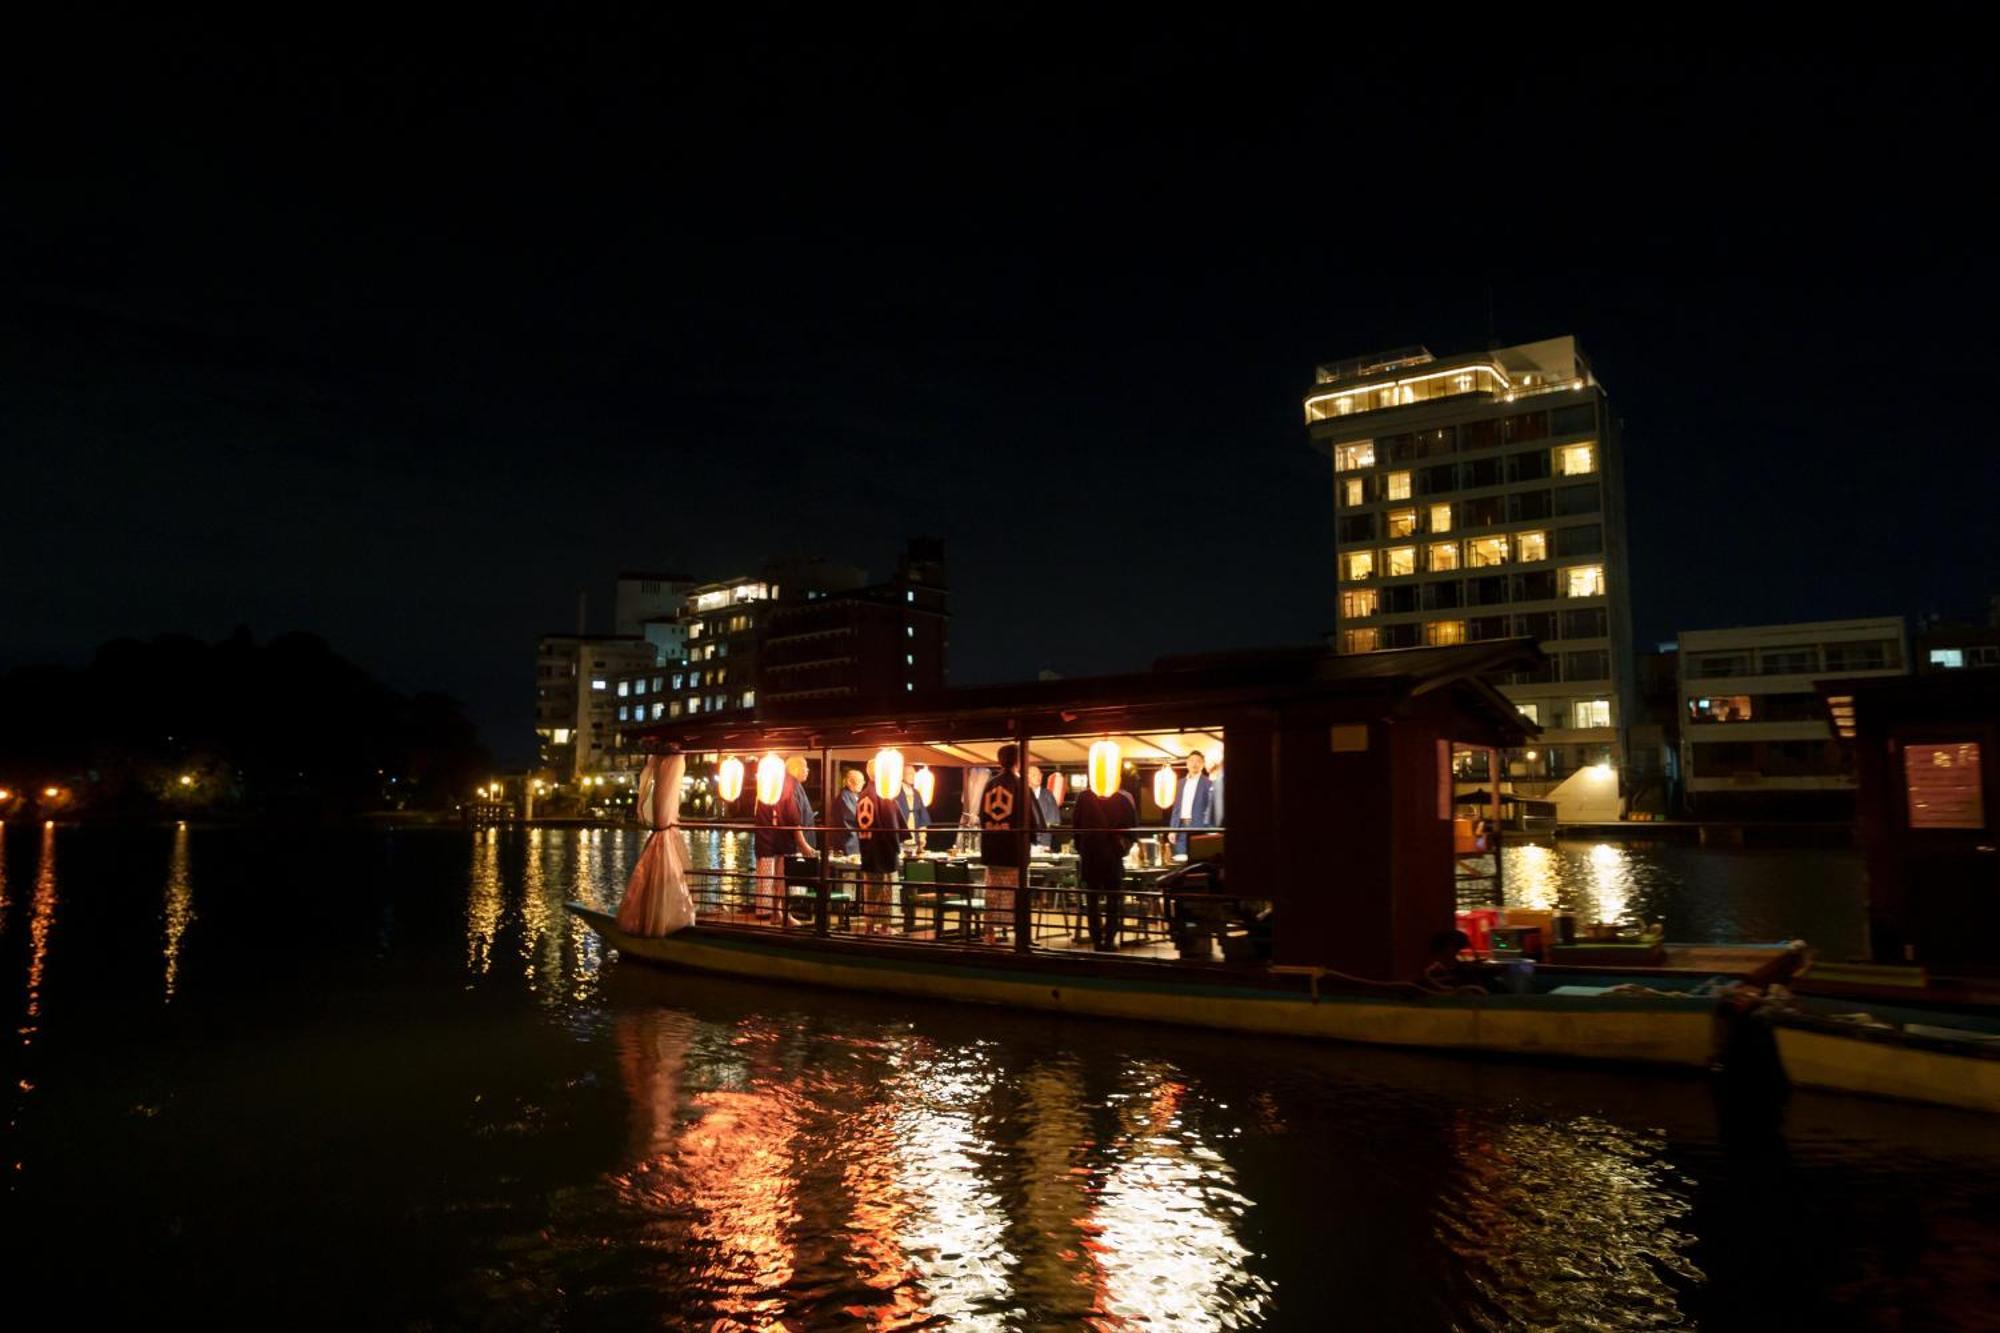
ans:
(40, 924)
(179, 911)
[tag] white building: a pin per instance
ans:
(1480, 497)
(1754, 734)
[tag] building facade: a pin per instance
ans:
(798, 631)
(1481, 497)
(1754, 735)
(575, 693)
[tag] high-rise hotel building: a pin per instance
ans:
(1479, 497)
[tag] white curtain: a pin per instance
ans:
(656, 898)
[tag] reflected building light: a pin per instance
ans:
(40, 924)
(1607, 1202)
(482, 902)
(1610, 879)
(179, 906)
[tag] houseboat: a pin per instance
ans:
(1311, 899)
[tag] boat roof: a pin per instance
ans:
(1181, 703)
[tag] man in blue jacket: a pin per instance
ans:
(1194, 801)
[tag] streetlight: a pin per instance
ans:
(187, 780)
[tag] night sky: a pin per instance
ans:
(405, 336)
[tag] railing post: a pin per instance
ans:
(823, 891)
(1024, 901)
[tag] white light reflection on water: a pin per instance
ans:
(955, 1235)
(539, 958)
(483, 901)
(1166, 1219)
(3, 879)
(179, 910)
(1611, 879)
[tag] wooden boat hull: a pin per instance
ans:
(1651, 1030)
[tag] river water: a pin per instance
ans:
(380, 1079)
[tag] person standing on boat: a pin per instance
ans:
(780, 833)
(1046, 807)
(1104, 833)
(1194, 802)
(880, 824)
(796, 770)
(915, 814)
(850, 797)
(999, 846)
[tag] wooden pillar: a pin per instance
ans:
(1024, 902)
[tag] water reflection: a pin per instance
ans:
(179, 911)
(40, 923)
(1167, 1216)
(1566, 1224)
(1721, 895)
(483, 901)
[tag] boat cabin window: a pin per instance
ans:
(1942, 779)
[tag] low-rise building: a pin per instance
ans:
(1754, 736)
(575, 698)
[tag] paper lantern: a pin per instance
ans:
(887, 770)
(729, 779)
(1104, 766)
(925, 782)
(1057, 788)
(770, 779)
(1163, 787)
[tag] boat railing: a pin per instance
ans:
(939, 897)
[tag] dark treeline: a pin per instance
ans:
(287, 728)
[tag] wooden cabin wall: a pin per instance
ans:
(1334, 856)
(1425, 892)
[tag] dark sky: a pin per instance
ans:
(404, 336)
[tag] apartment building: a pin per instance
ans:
(1480, 496)
(575, 710)
(1755, 740)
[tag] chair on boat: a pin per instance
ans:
(919, 889)
(802, 896)
(955, 894)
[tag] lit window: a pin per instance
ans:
(621, 712)
(1576, 460)
(909, 631)
(1583, 581)
(1943, 785)
(1397, 486)
(679, 681)
(1359, 604)
(910, 596)
(674, 708)
(1353, 491)
(658, 682)
(909, 659)
(562, 736)
(1591, 713)
(638, 687)
(658, 710)
(1402, 522)
(622, 688)
(1401, 560)
(910, 686)
(1360, 640)
(749, 698)
(596, 684)
(1441, 518)
(1482, 552)
(694, 705)
(1949, 658)
(1348, 457)
(1531, 546)
(1533, 712)
(1439, 633)
(1720, 708)
(1359, 565)
(1444, 555)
